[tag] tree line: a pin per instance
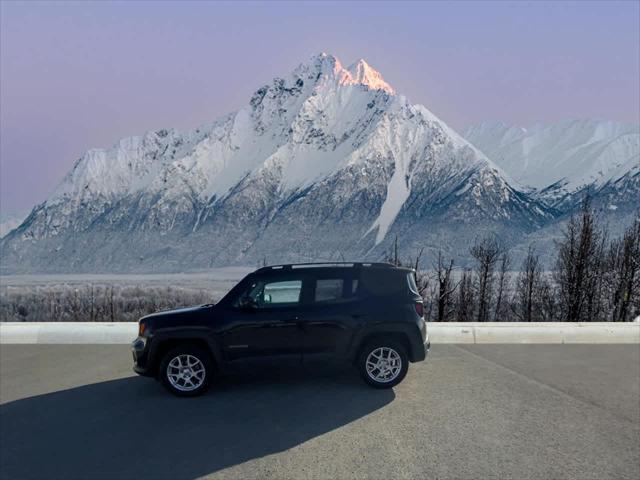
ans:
(593, 279)
(93, 303)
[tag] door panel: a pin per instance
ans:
(263, 332)
(269, 327)
(331, 318)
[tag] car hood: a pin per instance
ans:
(179, 314)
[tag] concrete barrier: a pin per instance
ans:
(547, 332)
(125, 332)
(68, 332)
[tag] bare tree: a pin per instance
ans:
(595, 284)
(577, 264)
(446, 288)
(486, 253)
(528, 287)
(393, 257)
(92, 301)
(111, 306)
(422, 279)
(501, 310)
(429, 296)
(547, 302)
(465, 302)
(623, 262)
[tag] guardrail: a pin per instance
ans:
(125, 332)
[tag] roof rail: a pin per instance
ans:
(291, 266)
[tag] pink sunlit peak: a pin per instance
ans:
(359, 73)
(364, 74)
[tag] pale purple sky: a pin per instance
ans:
(79, 75)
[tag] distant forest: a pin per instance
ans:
(93, 303)
(594, 279)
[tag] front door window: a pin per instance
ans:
(276, 293)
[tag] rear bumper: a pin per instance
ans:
(420, 351)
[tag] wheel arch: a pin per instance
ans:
(382, 335)
(162, 344)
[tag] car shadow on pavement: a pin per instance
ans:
(132, 428)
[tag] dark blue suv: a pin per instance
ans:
(368, 314)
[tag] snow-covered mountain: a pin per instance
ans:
(323, 164)
(563, 161)
(9, 221)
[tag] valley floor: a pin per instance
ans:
(216, 278)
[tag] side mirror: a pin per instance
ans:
(247, 303)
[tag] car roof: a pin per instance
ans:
(330, 266)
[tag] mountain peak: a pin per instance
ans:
(364, 74)
(359, 73)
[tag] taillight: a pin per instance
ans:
(419, 309)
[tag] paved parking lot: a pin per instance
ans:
(478, 411)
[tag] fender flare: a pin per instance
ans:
(399, 330)
(162, 340)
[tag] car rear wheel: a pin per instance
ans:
(383, 363)
(186, 371)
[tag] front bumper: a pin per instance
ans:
(140, 354)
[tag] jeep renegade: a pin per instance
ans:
(368, 314)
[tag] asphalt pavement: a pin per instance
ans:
(477, 411)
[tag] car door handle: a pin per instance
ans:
(292, 319)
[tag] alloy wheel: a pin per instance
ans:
(186, 372)
(383, 364)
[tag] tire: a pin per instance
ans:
(180, 370)
(396, 352)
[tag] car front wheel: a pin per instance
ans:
(383, 364)
(186, 371)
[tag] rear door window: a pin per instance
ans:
(329, 289)
(334, 287)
